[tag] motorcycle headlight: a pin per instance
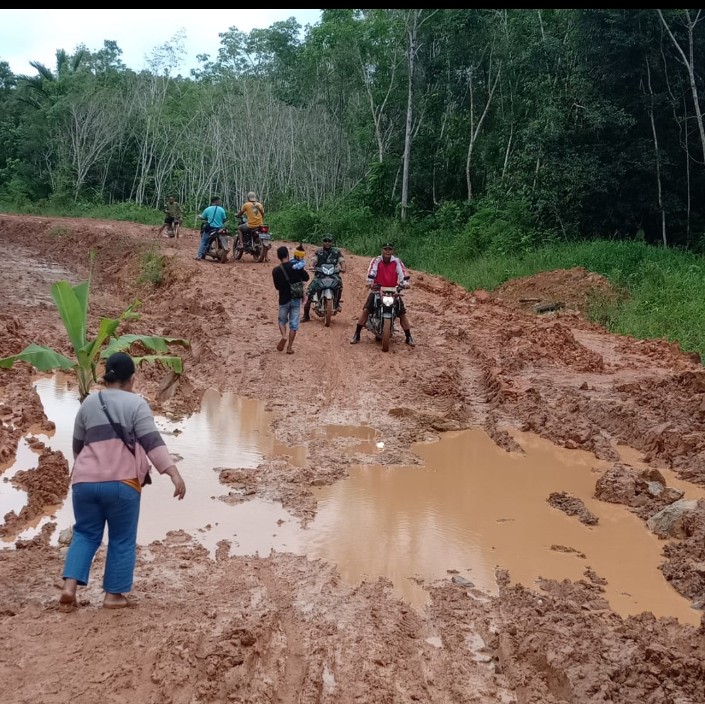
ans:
(387, 300)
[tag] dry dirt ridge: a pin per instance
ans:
(284, 629)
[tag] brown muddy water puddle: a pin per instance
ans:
(472, 507)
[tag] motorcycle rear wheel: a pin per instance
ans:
(386, 333)
(261, 252)
(328, 311)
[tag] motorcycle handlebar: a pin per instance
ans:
(376, 288)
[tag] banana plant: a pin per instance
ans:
(72, 305)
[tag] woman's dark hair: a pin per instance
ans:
(118, 367)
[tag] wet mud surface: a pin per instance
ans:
(282, 628)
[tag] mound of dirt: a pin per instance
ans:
(572, 289)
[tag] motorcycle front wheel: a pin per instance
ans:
(386, 333)
(237, 253)
(328, 311)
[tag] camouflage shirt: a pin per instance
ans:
(326, 256)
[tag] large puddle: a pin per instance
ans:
(470, 509)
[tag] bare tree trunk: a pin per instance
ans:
(689, 63)
(687, 173)
(658, 155)
(377, 111)
(475, 130)
(411, 49)
(413, 23)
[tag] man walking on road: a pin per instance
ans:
(289, 282)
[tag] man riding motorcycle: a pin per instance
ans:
(254, 211)
(331, 255)
(214, 217)
(385, 270)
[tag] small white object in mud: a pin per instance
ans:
(66, 536)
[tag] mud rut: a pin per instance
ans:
(284, 629)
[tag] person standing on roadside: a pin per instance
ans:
(173, 215)
(289, 282)
(115, 439)
(214, 217)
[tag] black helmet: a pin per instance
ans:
(327, 237)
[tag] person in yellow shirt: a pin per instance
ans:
(254, 210)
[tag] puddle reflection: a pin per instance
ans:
(229, 432)
(474, 507)
(471, 508)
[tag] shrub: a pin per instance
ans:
(151, 268)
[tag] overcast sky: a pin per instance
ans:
(35, 35)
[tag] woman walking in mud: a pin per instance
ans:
(115, 439)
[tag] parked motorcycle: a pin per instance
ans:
(256, 242)
(217, 247)
(383, 316)
(323, 300)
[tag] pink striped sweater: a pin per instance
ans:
(99, 453)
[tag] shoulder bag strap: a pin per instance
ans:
(116, 427)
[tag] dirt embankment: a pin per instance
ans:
(286, 629)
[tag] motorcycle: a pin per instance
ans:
(172, 230)
(256, 242)
(323, 300)
(381, 321)
(217, 247)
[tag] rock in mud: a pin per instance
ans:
(668, 523)
(572, 506)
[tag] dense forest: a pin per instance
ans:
(517, 126)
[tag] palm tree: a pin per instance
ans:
(48, 82)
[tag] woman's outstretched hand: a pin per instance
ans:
(177, 481)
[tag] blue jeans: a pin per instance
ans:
(205, 236)
(204, 242)
(290, 311)
(94, 505)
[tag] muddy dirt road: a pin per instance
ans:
(283, 628)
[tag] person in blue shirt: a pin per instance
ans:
(214, 217)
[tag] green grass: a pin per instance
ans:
(151, 268)
(664, 289)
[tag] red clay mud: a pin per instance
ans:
(281, 627)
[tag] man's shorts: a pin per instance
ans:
(168, 220)
(370, 302)
(290, 312)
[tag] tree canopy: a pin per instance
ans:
(590, 119)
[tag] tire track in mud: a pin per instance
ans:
(298, 684)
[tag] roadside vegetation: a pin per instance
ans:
(663, 288)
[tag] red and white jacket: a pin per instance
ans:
(388, 274)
